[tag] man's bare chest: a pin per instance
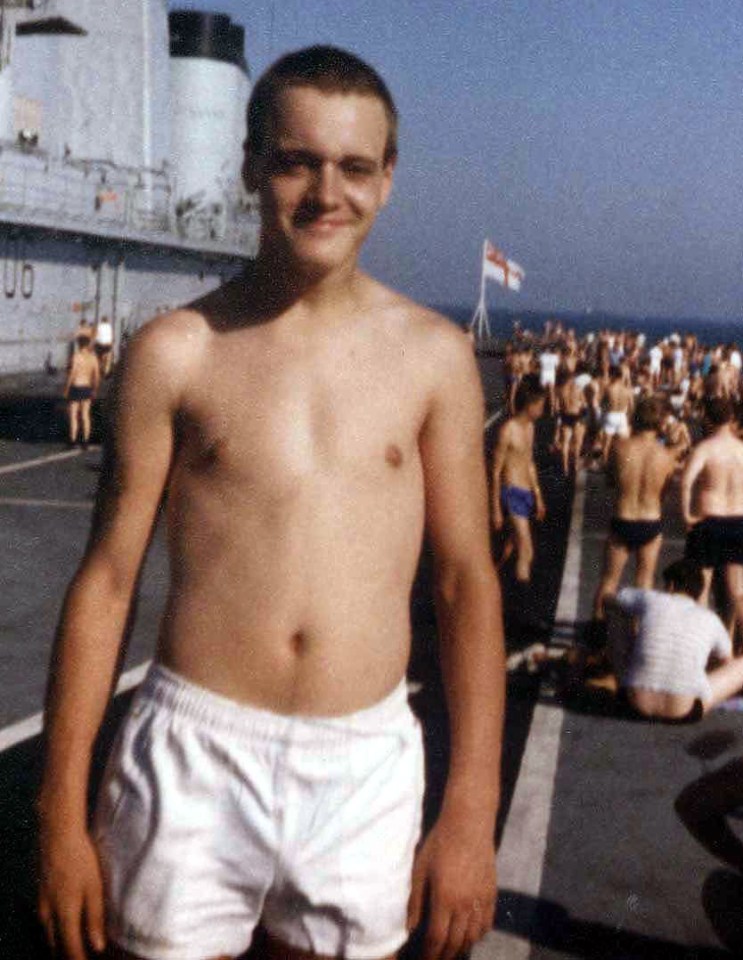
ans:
(275, 424)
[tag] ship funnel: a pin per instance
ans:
(209, 91)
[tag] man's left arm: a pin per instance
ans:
(541, 510)
(455, 866)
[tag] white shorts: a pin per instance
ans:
(547, 378)
(213, 816)
(615, 422)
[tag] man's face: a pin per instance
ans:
(321, 178)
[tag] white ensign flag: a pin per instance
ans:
(496, 266)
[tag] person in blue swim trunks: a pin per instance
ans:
(516, 493)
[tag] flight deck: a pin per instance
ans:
(593, 860)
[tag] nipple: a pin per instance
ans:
(393, 455)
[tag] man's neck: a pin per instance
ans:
(279, 288)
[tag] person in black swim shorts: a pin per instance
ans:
(713, 483)
(641, 467)
(634, 534)
(83, 379)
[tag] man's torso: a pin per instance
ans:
(519, 453)
(641, 468)
(295, 514)
(719, 484)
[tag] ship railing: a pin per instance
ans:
(63, 191)
(101, 195)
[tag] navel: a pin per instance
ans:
(298, 642)
(393, 455)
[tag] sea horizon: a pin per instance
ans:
(708, 330)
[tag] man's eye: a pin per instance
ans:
(358, 170)
(289, 164)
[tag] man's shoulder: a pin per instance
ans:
(419, 320)
(167, 347)
(443, 342)
(179, 330)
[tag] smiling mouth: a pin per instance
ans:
(322, 226)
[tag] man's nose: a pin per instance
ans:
(327, 185)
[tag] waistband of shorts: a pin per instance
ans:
(719, 520)
(180, 697)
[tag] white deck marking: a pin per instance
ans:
(524, 843)
(31, 726)
(499, 413)
(57, 504)
(38, 461)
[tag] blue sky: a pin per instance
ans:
(598, 142)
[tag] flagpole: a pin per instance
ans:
(480, 323)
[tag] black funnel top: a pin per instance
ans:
(212, 36)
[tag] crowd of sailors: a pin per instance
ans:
(651, 415)
(654, 417)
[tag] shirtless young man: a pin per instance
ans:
(712, 504)
(641, 468)
(573, 410)
(516, 492)
(307, 423)
(618, 400)
(83, 380)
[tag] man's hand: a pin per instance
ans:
(540, 509)
(455, 871)
(71, 894)
(497, 517)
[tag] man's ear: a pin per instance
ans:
(388, 173)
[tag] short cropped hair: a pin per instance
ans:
(324, 68)
(718, 410)
(529, 391)
(648, 415)
(684, 576)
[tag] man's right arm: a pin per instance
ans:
(92, 625)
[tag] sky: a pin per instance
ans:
(599, 143)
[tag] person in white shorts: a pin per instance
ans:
(549, 360)
(320, 851)
(618, 400)
(615, 423)
(307, 424)
(104, 345)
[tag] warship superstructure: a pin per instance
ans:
(121, 132)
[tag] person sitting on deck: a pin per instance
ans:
(660, 644)
(641, 468)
